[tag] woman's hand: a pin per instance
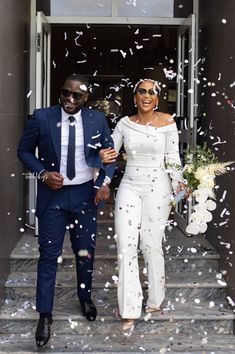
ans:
(108, 155)
(182, 186)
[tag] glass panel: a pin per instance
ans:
(146, 8)
(81, 8)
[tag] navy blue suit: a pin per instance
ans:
(71, 205)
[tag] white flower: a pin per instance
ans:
(210, 205)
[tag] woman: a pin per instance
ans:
(143, 199)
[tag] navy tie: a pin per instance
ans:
(71, 150)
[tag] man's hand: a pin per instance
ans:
(103, 193)
(53, 179)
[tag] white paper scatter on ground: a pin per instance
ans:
(224, 21)
(211, 304)
(147, 317)
(197, 301)
(54, 64)
(230, 301)
(115, 278)
(29, 93)
(221, 282)
(66, 52)
(81, 61)
(139, 46)
(73, 324)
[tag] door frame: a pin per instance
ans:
(35, 72)
(186, 110)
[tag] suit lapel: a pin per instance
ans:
(54, 122)
(87, 128)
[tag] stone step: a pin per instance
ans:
(181, 253)
(135, 343)
(186, 318)
(202, 286)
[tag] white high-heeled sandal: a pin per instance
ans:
(151, 309)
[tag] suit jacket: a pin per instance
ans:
(43, 131)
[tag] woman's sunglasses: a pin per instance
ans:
(143, 91)
(76, 95)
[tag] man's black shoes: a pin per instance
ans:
(88, 310)
(43, 331)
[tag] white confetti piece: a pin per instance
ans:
(230, 301)
(29, 93)
(60, 260)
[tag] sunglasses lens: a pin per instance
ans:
(77, 95)
(67, 93)
(142, 91)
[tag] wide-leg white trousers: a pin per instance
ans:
(141, 211)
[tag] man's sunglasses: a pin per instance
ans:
(76, 95)
(143, 91)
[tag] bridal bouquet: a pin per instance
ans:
(200, 169)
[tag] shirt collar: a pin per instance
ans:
(65, 116)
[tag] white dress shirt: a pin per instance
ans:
(84, 173)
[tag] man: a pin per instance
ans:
(71, 182)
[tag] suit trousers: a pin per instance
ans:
(141, 211)
(73, 209)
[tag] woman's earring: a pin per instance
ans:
(135, 104)
(155, 108)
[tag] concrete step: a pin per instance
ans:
(195, 285)
(185, 317)
(135, 343)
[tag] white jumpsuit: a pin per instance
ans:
(142, 208)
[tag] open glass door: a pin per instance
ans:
(43, 61)
(43, 65)
(186, 102)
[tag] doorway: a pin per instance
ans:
(114, 58)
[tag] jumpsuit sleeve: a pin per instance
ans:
(118, 136)
(172, 156)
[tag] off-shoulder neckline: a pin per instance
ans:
(142, 125)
